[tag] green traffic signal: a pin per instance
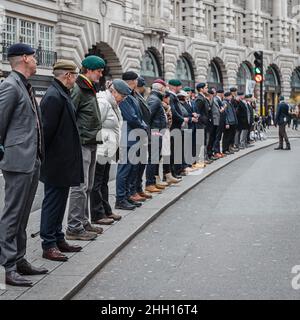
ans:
(257, 70)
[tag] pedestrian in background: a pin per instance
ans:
(62, 167)
(88, 117)
(21, 152)
(282, 119)
(111, 120)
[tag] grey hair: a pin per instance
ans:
(15, 61)
(157, 87)
(58, 73)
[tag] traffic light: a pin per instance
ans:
(258, 69)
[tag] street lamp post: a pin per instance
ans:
(163, 56)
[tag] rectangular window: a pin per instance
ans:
(27, 32)
(9, 32)
(46, 37)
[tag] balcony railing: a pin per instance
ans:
(45, 58)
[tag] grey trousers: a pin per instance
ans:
(244, 136)
(20, 190)
(283, 136)
(79, 210)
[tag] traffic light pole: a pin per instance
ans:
(261, 98)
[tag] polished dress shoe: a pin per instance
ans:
(27, 269)
(54, 254)
(124, 205)
(135, 203)
(13, 278)
(64, 246)
(146, 195)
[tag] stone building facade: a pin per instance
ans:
(194, 40)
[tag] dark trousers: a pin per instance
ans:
(219, 133)
(155, 156)
(283, 136)
(211, 140)
(52, 216)
(228, 137)
(137, 183)
(20, 190)
(100, 207)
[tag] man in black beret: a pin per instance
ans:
(21, 139)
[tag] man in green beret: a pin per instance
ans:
(89, 124)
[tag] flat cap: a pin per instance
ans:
(18, 49)
(162, 82)
(122, 87)
(228, 94)
(175, 83)
(201, 85)
(141, 82)
(182, 94)
(93, 63)
(233, 89)
(130, 75)
(187, 89)
(64, 65)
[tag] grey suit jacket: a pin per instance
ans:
(18, 126)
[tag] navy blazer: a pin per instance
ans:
(282, 115)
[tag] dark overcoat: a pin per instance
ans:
(62, 166)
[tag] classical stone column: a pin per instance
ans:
(253, 34)
(225, 21)
(280, 27)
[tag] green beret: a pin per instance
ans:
(175, 83)
(93, 63)
(65, 65)
(187, 89)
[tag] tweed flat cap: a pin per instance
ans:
(129, 75)
(18, 49)
(93, 63)
(201, 85)
(122, 87)
(175, 83)
(65, 65)
(162, 82)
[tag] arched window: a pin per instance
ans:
(149, 66)
(243, 75)
(272, 77)
(184, 72)
(295, 81)
(214, 74)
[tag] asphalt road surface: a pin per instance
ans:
(235, 236)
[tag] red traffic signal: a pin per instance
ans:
(258, 78)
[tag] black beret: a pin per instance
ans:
(248, 96)
(201, 85)
(220, 91)
(167, 94)
(211, 91)
(129, 75)
(18, 49)
(233, 89)
(141, 82)
(228, 94)
(240, 93)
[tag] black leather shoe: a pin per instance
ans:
(135, 203)
(278, 148)
(13, 278)
(288, 148)
(27, 269)
(124, 205)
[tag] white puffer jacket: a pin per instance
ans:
(111, 119)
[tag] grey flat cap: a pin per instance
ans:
(122, 87)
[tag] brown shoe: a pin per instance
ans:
(137, 198)
(93, 229)
(54, 254)
(104, 221)
(153, 189)
(81, 236)
(146, 195)
(64, 246)
(160, 187)
(116, 217)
